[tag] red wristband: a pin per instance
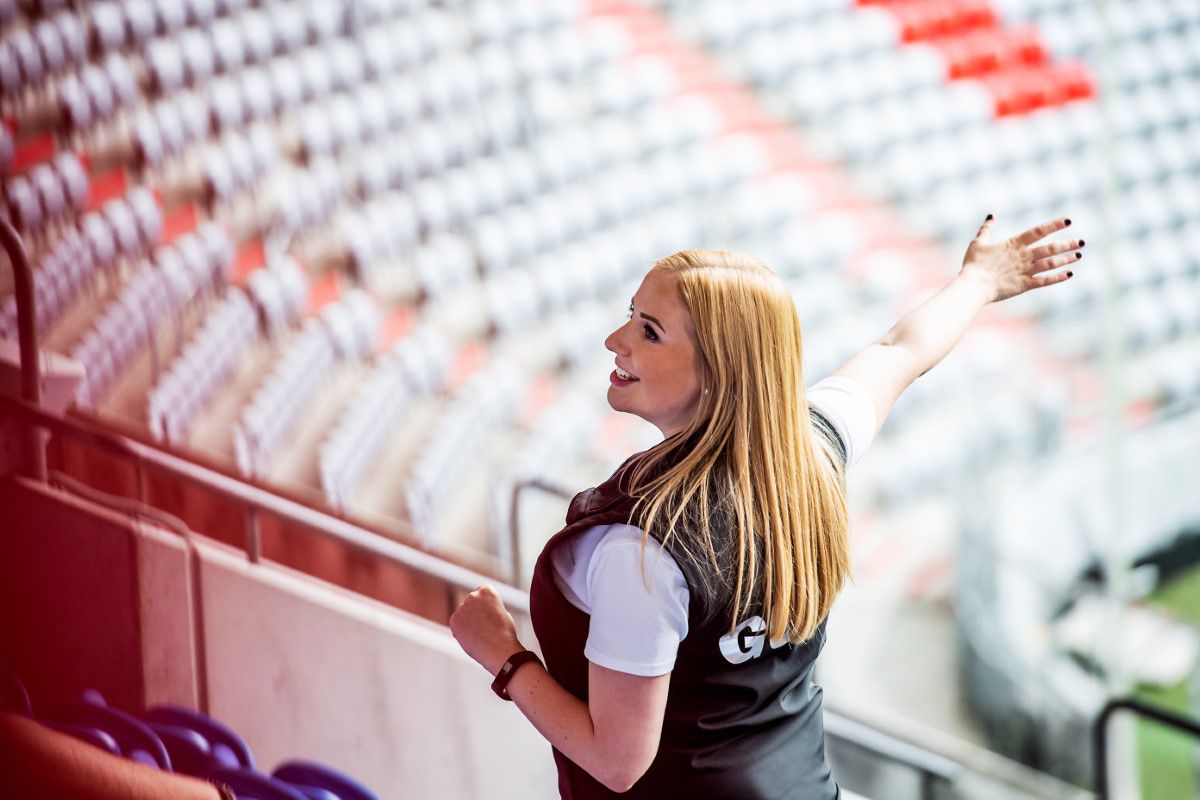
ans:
(506, 672)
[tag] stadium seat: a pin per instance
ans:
(307, 773)
(250, 785)
(87, 733)
(190, 752)
(135, 739)
(228, 749)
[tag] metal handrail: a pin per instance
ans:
(255, 500)
(514, 521)
(31, 377)
(931, 766)
(1100, 733)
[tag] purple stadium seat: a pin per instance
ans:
(315, 792)
(250, 785)
(136, 740)
(307, 773)
(228, 749)
(190, 752)
(85, 733)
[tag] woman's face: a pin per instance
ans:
(656, 347)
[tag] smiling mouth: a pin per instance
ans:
(625, 376)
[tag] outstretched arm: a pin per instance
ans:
(991, 272)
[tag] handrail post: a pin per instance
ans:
(31, 376)
(253, 535)
(1100, 734)
(514, 521)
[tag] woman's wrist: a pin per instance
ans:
(502, 655)
(980, 281)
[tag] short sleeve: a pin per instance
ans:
(635, 628)
(845, 403)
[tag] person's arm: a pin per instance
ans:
(614, 736)
(37, 763)
(991, 272)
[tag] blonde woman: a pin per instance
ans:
(682, 608)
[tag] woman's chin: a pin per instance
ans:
(615, 400)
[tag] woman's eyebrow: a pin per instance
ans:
(644, 315)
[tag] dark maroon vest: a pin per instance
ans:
(743, 717)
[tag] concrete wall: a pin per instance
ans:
(90, 599)
(300, 668)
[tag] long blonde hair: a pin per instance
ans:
(756, 462)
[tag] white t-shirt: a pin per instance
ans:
(636, 624)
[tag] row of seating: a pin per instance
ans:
(177, 739)
(280, 293)
(417, 366)
(345, 330)
(194, 376)
(194, 266)
(50, 46)
(362, 433)
(461, 435)
(47, 194)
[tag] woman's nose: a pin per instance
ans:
(613, 342)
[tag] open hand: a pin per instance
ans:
(485, 629)
(1010, 267)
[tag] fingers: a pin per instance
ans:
(1055, 248)
(985, 230)
(1054, 263)
(1041, 231)
(1039, 281)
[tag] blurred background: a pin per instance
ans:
(321, 294)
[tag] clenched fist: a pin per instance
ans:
(485, 629)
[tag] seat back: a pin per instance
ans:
(250, 785)
(190, 752)
(228, 749)
(313, 774)
(84, 733)
(134, 737)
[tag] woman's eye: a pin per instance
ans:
(650, 334)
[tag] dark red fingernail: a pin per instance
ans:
(1068, 222)
(988, 217)
(1069, 274)
(1082, 242)
(1078, 255)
